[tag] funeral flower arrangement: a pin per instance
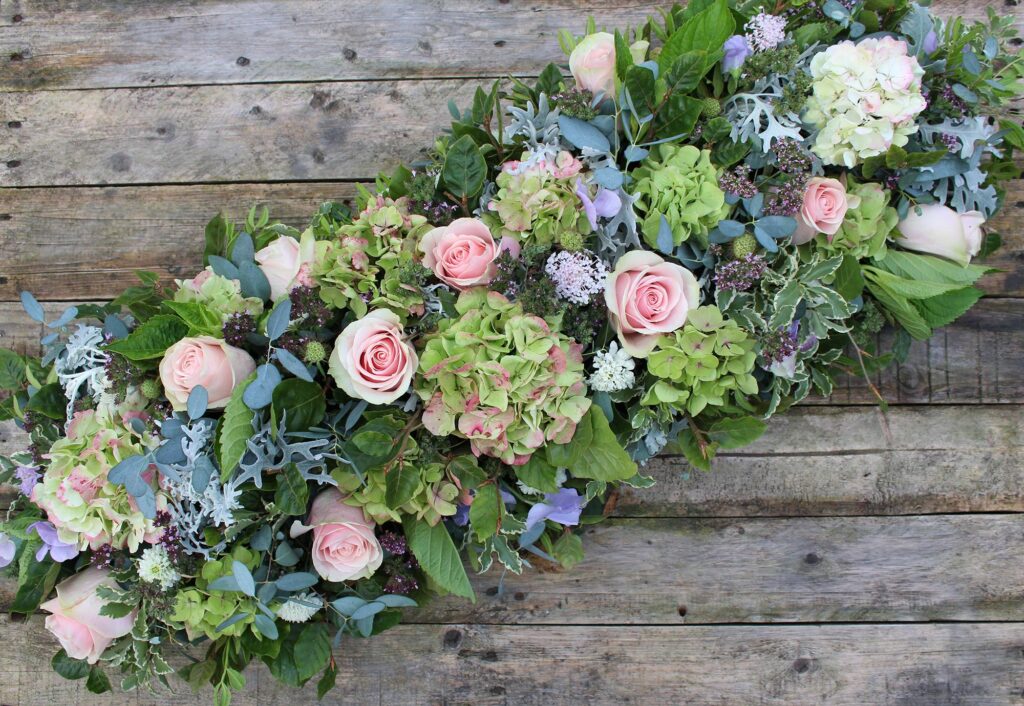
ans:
(710, 220)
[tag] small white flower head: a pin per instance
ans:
(577, 276)
(560, 478)
(300, 607)
(154, 566)
(766, 31)
(613, 370)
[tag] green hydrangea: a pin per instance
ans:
(361, 268)
(433, 499)
(201, 609)
(538, 205)
(680, 183)
(702, 363)
(868, 223)
(219, 294)
(505, 380)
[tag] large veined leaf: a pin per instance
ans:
(235, 431)
(435, 551)
(151, 339)
(464, 169)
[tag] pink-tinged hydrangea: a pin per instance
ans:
(865, 98)
(88, 510)
(503, 379)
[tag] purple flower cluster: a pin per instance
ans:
(791, 157)
(237, 328)
(788, 199)
(740, 274)
(308, 308)
(738, 182)
(393, 543)
(779, 344)
(170, 540)
(950, 142)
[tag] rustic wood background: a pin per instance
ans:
(849, 557)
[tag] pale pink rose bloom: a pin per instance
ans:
(206, 361)
(286, 262)
(345, 547)
(592, 63)
(823, 211)
(647, 297)
(461, 254)
(372, 360)
(76, 620)
(939, 230)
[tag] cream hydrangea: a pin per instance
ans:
(864, 99)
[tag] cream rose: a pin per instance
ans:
(206, 361)
(75, 616)
(647, 297)
(592, 63)
(824, 208)
(461, 254)
(939, 230)
(372, 360)
(345, 547)
(286, 263)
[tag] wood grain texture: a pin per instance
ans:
(713, 571)
(51, 44)
(160, 228)
(969, 664)
(830, 461)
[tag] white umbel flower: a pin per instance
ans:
(300, 607)
(155, 567)
(613, 370)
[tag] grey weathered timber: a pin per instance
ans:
(966, 664)
(160, 228)
(56, 45)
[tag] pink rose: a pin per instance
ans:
(372, 360)
(939, 230)
(823, 211)
(592, 63)
(344, 545)
(647, 297)
(76, 620)
(286, 263)
(461, 254)
(206, 361)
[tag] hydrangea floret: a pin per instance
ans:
(86, 508)
(702, 364)
(679, 183)
(201, 609)
(219, 294)
(867, 224)
(433, 499)
(359, 267)
(864, 99)
(505, 380)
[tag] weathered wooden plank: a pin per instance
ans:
(838, 665)
(86, 243)
(262, 132)
(54, 45)
(976, 360)
(831, 461)
(43, 232)
(745, 570)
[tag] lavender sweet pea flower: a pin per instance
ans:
(931, 42)
(563, 507)
(29, 476)
(605, 205)
(6, 550)
(59, 551)
(736, 51)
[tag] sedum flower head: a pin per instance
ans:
(865, 98)
(537, 203)
(88, 510)
(359, 268)
(680, 183)
(220, 294)
(702, 364)
(868, 223)
(505, 380)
